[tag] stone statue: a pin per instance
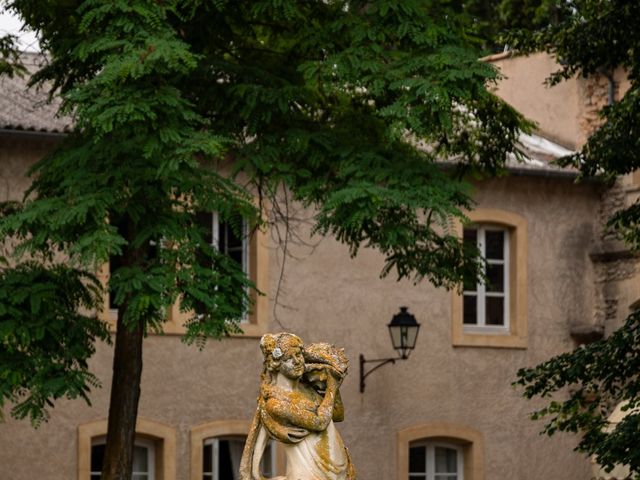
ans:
(298, 404)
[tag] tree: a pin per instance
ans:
(490, 19)
(596, 36)
(329, 100)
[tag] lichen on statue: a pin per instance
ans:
(298, 404)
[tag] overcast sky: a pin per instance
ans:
(11, 24)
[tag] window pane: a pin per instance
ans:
(236, 446)
(417, 460)
(470, 283)
(495, 311)
(446, 460)
(495, 244)
(142, 476)
(417, 477)
(495, 278)
(97, 458)
(237, 256)
(470, 310)
(470, 236)
(231, 233)
(207, 454)
(115, 262)
(225, 469)
(446, 477)
(205, 222)
(95, 477)
(140, 459)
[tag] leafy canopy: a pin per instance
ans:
(188, 106)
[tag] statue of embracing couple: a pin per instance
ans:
(298, 404)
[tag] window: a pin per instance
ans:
(440, 451)
(486, 304)
(494, 313)
(247, 247)
(230, 238)
(221, 458)
(116, 262)
(144, 459)
(216, 450)
(234, 238)
(435, 461)
(154, 455)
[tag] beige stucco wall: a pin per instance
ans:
(567, 112)
(556, 110)
(17, 154)
(326, 296)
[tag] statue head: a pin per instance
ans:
(282, 354)
(319, 356)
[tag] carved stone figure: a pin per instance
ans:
(298, 404)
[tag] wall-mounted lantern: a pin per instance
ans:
(404, 333)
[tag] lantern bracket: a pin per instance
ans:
(403, 329)
(380, 362)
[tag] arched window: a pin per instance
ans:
(144, 459)
(221, 458)
(216, 450)
(435, 461)
(440, 451)
(154, 456)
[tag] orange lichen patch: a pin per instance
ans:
(326, 354)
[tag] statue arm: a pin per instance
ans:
(261, 444)
(253, 448)
(338, 408)
(299, 416)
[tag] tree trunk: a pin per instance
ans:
(123, 407)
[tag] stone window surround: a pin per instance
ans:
(518, 248)
(469, 440)
(163, 436)
(224, 428)
(258, 317)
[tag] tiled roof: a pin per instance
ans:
(29, 109)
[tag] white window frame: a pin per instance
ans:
(215, 235)
(215, 452)
(430, 472)
(149, 445)
(480, 293)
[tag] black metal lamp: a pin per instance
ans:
(404, 332)
(403, 329)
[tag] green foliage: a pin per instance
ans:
(595, 37)
(333, 107)
(351, 106)
(490, 20)
(597, 377)
(45, 340)
(10, 63)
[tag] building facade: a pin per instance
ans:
(449, 411)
